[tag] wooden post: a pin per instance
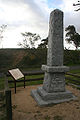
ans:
(8, 104)
(24, 81)
(8, 100)
(15, 85)
(16, 74)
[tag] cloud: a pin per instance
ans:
(22, 11)
(70, 16)
(33, 16)
(24, 15)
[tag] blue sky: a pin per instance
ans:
(54, 3)
(33, 16)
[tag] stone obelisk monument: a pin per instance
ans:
(53, 90)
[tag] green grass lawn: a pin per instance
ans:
(19, 84)
(2, 80)
(72, 80)
(75, 71)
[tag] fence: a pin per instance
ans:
(40, 72)
(73, 80)
(27, 74)
(8, 91)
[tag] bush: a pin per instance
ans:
(71, 57)
(32, 58)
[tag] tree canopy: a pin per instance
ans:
(2, 29)
(30, 40)
(72, 36)
(44, 43)
(77, 4)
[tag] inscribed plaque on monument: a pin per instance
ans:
(16, 73)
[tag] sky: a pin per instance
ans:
(33, 16)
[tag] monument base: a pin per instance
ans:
(44, 98)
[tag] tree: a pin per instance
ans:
(30, 40)
(72, 36)
(2, 29)
(78, 4)
(44, 43)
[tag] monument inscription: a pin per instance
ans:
(53, 90)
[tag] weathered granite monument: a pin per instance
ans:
(53, 90)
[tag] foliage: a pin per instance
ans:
(32, 58)
(78, 4)
(44, 43)
(6, 59)
(72, 36)
(19, 84)
(30, 40)
(71, 57)
(2, 29)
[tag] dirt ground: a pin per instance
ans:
(25, 107)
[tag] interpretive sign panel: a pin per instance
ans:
(16, 73)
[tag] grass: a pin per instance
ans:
(47, 117)
(41, 81)
(57, 117)
(1, 84)
(11, 85)
(77, 71)
(19, 84)
(72, 77)
(2, 106)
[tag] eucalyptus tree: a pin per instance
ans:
(30, 40)
(72, 36)
(2, 29)
(78, 5)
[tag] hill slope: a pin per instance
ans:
(28, 58)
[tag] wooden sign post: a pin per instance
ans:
(16, 74)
